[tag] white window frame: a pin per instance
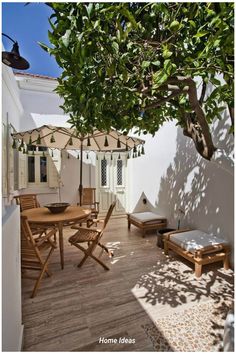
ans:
(37, 154)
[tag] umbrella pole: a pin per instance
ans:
(81, 166)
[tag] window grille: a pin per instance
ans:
(119, 172)
(103, 172)
(43, 169)
(31, 169)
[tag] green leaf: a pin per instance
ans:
(192, 23)
(66, 38)
(200, 34)
(215, 81)
(231, 130)
(159, 78)
(145, 64)
(115, 46)
(44, 46)
(167, 54)
(96, 24)
(129, 16)
(89, 9)
(174, 26)
(156, 63)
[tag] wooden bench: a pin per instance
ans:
(197, 247)
(146, 221)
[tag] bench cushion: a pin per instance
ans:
(147, 217)
(195, 240)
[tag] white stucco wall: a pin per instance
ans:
(12, 115)
(12, 329)
(11, 103)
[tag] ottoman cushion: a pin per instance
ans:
(195, 240)
(147, 217)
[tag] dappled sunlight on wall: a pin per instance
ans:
(203, 189)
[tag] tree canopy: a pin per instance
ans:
(138, 65)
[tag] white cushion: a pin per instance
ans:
(195, 239)
(146, 217)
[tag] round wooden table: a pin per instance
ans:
(44, 216)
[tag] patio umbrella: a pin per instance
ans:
(69, 139)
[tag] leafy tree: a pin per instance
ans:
(129, 65)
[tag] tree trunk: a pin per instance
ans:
(196, 125)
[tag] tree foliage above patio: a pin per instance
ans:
(129, 65)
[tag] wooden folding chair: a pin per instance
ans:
(27, 201)
(30, 201)
(89, 202)
(35, 254)
(92, 237)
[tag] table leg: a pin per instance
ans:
(61, 244)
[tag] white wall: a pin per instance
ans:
(12, 113)
(12, 329)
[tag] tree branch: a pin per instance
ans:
(196, 125)
(163, 100)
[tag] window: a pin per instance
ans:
(38, 165)
(43, 169)
(103, 173)
(31, 169)
(119, 173)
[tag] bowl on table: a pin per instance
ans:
(57, 208)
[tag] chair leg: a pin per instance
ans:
(226, 262)
(110, 253)
(83, 260)
(88, 253)
(100, 262)
(166, 248)
(41, 274)
(198, 270)
(129, 224)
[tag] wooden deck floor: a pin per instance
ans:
(78, 307)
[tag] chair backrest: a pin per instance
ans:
(29, 249)
(88, 196)
(110, 210)
(27, 201)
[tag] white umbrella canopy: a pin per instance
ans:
(69, 139)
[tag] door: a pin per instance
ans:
(111, 182)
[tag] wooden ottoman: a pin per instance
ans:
(146, 221)
(198, 247)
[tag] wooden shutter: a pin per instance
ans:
(22, 172)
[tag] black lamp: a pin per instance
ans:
(13, 58)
